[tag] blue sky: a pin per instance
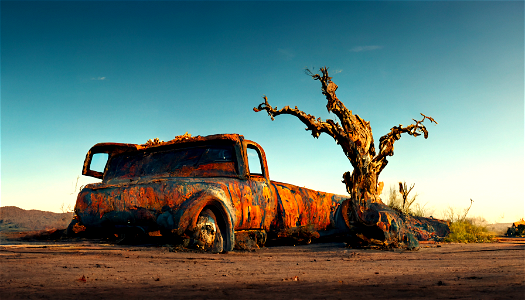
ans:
(77, 73)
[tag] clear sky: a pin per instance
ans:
(77, 73)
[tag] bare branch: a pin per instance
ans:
(317, 126)
(328, 89)
(386, 142)
(467, 210)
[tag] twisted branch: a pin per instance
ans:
(317, 126)
(386, 142)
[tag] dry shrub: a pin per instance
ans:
(396, 202)
(467, 230)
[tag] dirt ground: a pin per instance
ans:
(83, 269)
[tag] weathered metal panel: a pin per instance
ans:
(306, 207)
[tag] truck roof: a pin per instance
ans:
(152, 143)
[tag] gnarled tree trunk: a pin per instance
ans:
(372, 221)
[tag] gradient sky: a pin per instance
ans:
(77, 73)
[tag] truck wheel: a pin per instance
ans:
(207, 232)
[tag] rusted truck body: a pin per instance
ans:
(213, 188)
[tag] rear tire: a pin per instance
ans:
(207, 233)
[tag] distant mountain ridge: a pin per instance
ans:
(14, 219)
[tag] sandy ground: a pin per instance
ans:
(94, 270)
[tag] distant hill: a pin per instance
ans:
(499, 228)
(13, 219)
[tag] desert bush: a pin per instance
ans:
(467, 230)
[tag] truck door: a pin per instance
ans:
(258, 210)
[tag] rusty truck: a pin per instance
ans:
(213, 191)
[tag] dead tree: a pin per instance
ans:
(354, 135)
(404, 191)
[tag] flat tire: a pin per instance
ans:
(207, 232)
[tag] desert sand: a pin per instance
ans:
(94, 269)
